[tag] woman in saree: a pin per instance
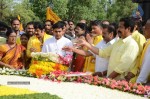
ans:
(24, 38)
(79, 60)
(11, 54)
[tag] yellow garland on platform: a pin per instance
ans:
(40, 67)
(44, 63)
(6, 90)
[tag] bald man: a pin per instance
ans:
(145, 63)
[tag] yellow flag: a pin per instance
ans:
(50, 15)
(21, 27)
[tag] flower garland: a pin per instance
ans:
(39, 68)
(61, 76)
(78, 77)
(8, 71)
(43, 63)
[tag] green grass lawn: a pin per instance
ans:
(31, 96)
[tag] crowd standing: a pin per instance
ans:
(119, 51)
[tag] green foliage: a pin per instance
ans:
(25, 12)
(35, 10)
(6, 7)
(60, 8)
(14, 9)
(71, 9)
(121, 8)
(39, 8)
(31, 96)
(83, 9)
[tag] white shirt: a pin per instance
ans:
(102, 63)
(145, 70)
(55, 46)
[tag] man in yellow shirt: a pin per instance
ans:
(122, 54)
(144, 62)
(96, 33)
(140, 39)
(35, 43)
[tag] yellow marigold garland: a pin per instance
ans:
(40, 67)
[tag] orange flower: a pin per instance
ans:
(57, 66)
(39, 72)
(35, 62)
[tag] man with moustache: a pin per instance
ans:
(96, 37)
(30, 29)
(35, 43)
(48, 27)
(140, 39)
(15, 25)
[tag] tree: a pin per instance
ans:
(60, 8)
(39, 8)
(119, 9)
(10, 9)
(86, 9)
(5, 9)
(25, 12)
(83, 9)
(73, 9)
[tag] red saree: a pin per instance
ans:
(78, 63)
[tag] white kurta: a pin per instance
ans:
(55, 46)
(102, 63)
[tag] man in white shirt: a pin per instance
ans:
(145, 63)
(109, 37)
(56, 43)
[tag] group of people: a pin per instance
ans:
(117, 51)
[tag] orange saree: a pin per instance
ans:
(12, 56)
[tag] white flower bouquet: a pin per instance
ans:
(51, 57)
